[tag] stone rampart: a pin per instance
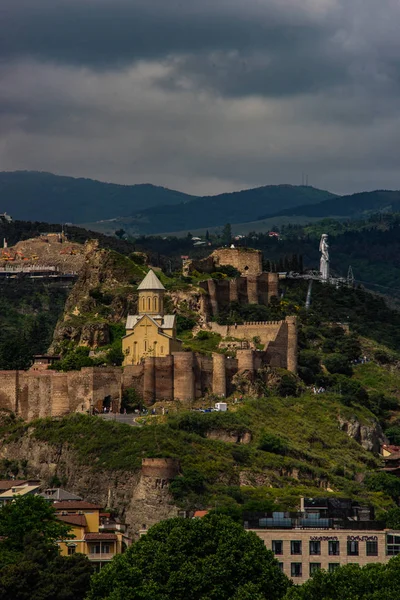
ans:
(246, 260)
(183, 376)
(160, 468)
(267, 331)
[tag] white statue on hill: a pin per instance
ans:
(324, 262)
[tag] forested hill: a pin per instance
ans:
(150, 209)
(37, 196)
(354, 205)
(210, 211)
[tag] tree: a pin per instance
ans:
(384, 482)
(227, 234)
(336, 363)
(120, 233)
(30, 516)
(30, 565)
(40, 573)
(352, 582)
(392, 518)
(211, 558)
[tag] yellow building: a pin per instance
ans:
(150, 332)
(94, 536)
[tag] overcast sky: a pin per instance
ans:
(203, 96)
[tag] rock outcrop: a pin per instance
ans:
(103, 294)
(370, 436)
(140, 498)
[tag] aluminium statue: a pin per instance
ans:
(324, 262)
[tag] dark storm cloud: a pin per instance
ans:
(234, 47)
(203, 95)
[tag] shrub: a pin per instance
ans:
(393, 434)
(392, 518)
(131, 399)
(184, 323)
(382, 357)
(241, 454)
(336, 363)
(383, 482)
(204, 335)
(309, 365)
(287, 386)
(272, 443)
(192, 481)
(350, 346)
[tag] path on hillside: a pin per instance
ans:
(127, 419)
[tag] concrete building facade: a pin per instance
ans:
(325, 534)
(301, 552)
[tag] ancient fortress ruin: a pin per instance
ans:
(167, 373)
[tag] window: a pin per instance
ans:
(149, 303)
(334, 549)
(106, 548)
(95, 549)
(314, 567)
(280, 565)
(162, 350)
(333, 566)
(372, 548)
(352, 548)
(155, 303)
(277, 546)
(71, 550)
(143, 303)
(295, 547)
(296, 569)
(315, 548)
(393, 545)
(145, 345)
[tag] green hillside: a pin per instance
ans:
(37, 196)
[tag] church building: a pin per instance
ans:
(150, 332)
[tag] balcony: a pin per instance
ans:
(97, 556)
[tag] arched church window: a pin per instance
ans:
(144, 303)
(162, 350)
(149, 303)
(145, 345)
(155, 303)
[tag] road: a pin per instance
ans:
(127, 419)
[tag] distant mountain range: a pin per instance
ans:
(148, 209)
(37, 196)
(352, 206)
(144, 208)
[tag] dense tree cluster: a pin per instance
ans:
(30, 565)
(211, 558)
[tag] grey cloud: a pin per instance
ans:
(276, 47)
(202, 96)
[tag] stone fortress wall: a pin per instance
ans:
(252, 287)
(183, 376)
